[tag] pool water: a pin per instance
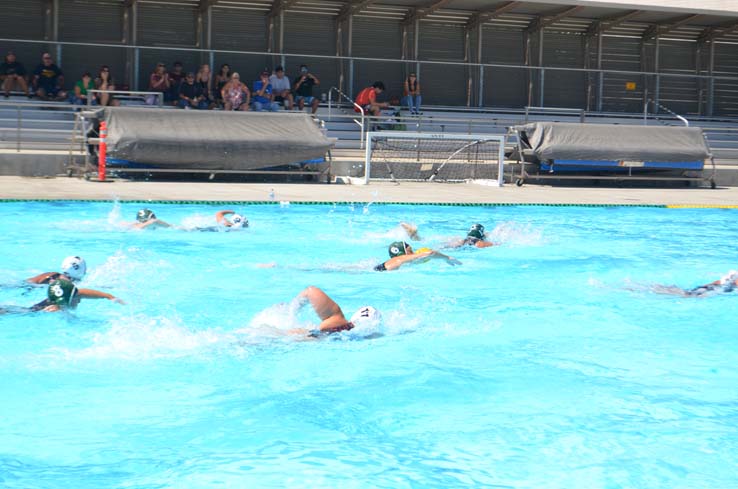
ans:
(547, 361)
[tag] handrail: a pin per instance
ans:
(529, 109)
(652, 101)
(159, 95)
(357, 106)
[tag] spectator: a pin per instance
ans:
(175, 79)
(304, 89)
(158, 82)
(223, 76)
(411, 94)
(263, 98)
(48, 80)
(281, 88)
(204, 79)
(367, 99)
(236, 95)
(104, 81)
(190, 94)
(12, 75)
(81, 95)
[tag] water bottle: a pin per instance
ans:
(271, 194)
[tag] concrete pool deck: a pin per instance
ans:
(64, 188)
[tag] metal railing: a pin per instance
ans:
(21, 117)
(159, 96)
(554, 110)
(666, 109)
(358, 107)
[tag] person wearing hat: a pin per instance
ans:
(332, 319)
(73, 268)
(191, 95)
(475, 237)
(281, 88)
(145, 218)
(63, 294)
(401, 253)
(304, 84)
(411, 91)
(261, 96)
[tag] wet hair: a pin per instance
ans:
(379, 85)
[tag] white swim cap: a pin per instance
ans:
(238, 221)
(366, 316)
(74, 267)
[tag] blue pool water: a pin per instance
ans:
(544, 362)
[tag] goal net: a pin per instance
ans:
(449, 157)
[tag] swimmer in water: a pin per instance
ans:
(401, 253)
(233, 221)
(475, 237)
(728, 283)
(73, 268)
(331, 316)
(61, 295)
(146, 219)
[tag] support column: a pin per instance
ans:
(600, 74)
(351, 54)
(711, 81)
(656, 68)
(480, 94)
(541, 73)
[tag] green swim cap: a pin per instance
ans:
(145, 215)
(398, 248)
(476, 231)
(61, 292)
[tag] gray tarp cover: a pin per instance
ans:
(212, 140)
(612, 142)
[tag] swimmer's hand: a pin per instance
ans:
(411, 230)
(118, 300)
(266, 265)
(452, 261)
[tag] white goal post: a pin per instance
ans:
(418, 156)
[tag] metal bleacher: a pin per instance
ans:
(30, 126)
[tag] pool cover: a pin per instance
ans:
(212, 140)
(612, 142)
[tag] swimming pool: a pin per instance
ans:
(544, 362)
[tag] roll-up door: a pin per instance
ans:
(564, 88)
(504, 87)
(240, 30)
(620, 54)
(726, 91)
(306, 34)
(167, 25)
(442, 84)
(378, 38)
(91, 21)
(23, 19)
(676, 92)
(75, 25)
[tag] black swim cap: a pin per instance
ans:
(476, 231)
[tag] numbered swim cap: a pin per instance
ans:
(61, 292)
(476, 231)
(366, 316)
(145, 215)
(238, 221)
(398, 248)
(74, 267)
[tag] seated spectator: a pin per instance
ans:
(13, 75)
(190, 94)
(81, 95)
(367, 99)
(104, 81)
(48, 80)
(412, 96)
(175, 79)
(158, 82)
(262, 98)
(236, 95)
(204, 79)
(281, 88)
(223, 76)
(304, 84)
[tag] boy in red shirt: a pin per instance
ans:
(367, 99)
